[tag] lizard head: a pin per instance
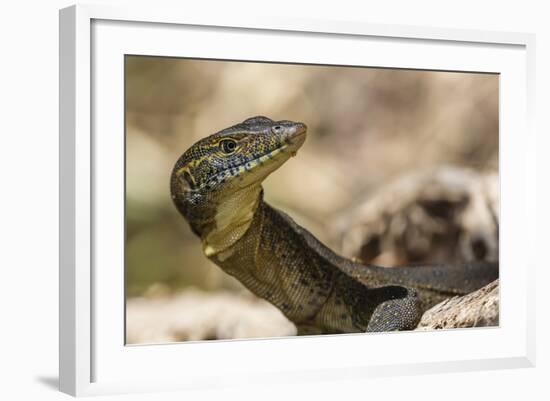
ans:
(231, 160)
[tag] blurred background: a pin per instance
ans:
(399, 166)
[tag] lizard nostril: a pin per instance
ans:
(276, 129)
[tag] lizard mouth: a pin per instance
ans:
(269, 161)
(296, 137)
(297, 131)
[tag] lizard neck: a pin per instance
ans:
(232, 218)
(271, 259)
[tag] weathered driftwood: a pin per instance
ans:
(442, 215)
(477, 309)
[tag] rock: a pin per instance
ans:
(477, 309)
(442, 215)
(195, 315)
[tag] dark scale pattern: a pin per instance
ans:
(273, 265)
(282, 262)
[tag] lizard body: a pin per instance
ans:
(216, 186)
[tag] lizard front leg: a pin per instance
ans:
(397, 313)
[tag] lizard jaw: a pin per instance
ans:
(255, 171)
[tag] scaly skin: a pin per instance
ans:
(216, 186)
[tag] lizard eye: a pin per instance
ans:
(228, 146)
(276, 129)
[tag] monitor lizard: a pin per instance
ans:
(216, 186)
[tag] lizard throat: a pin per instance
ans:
(235, 212)
(232, 219)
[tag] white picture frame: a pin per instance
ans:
(93, 357)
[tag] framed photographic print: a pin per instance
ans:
(271, 200)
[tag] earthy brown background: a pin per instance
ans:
(367, 126)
